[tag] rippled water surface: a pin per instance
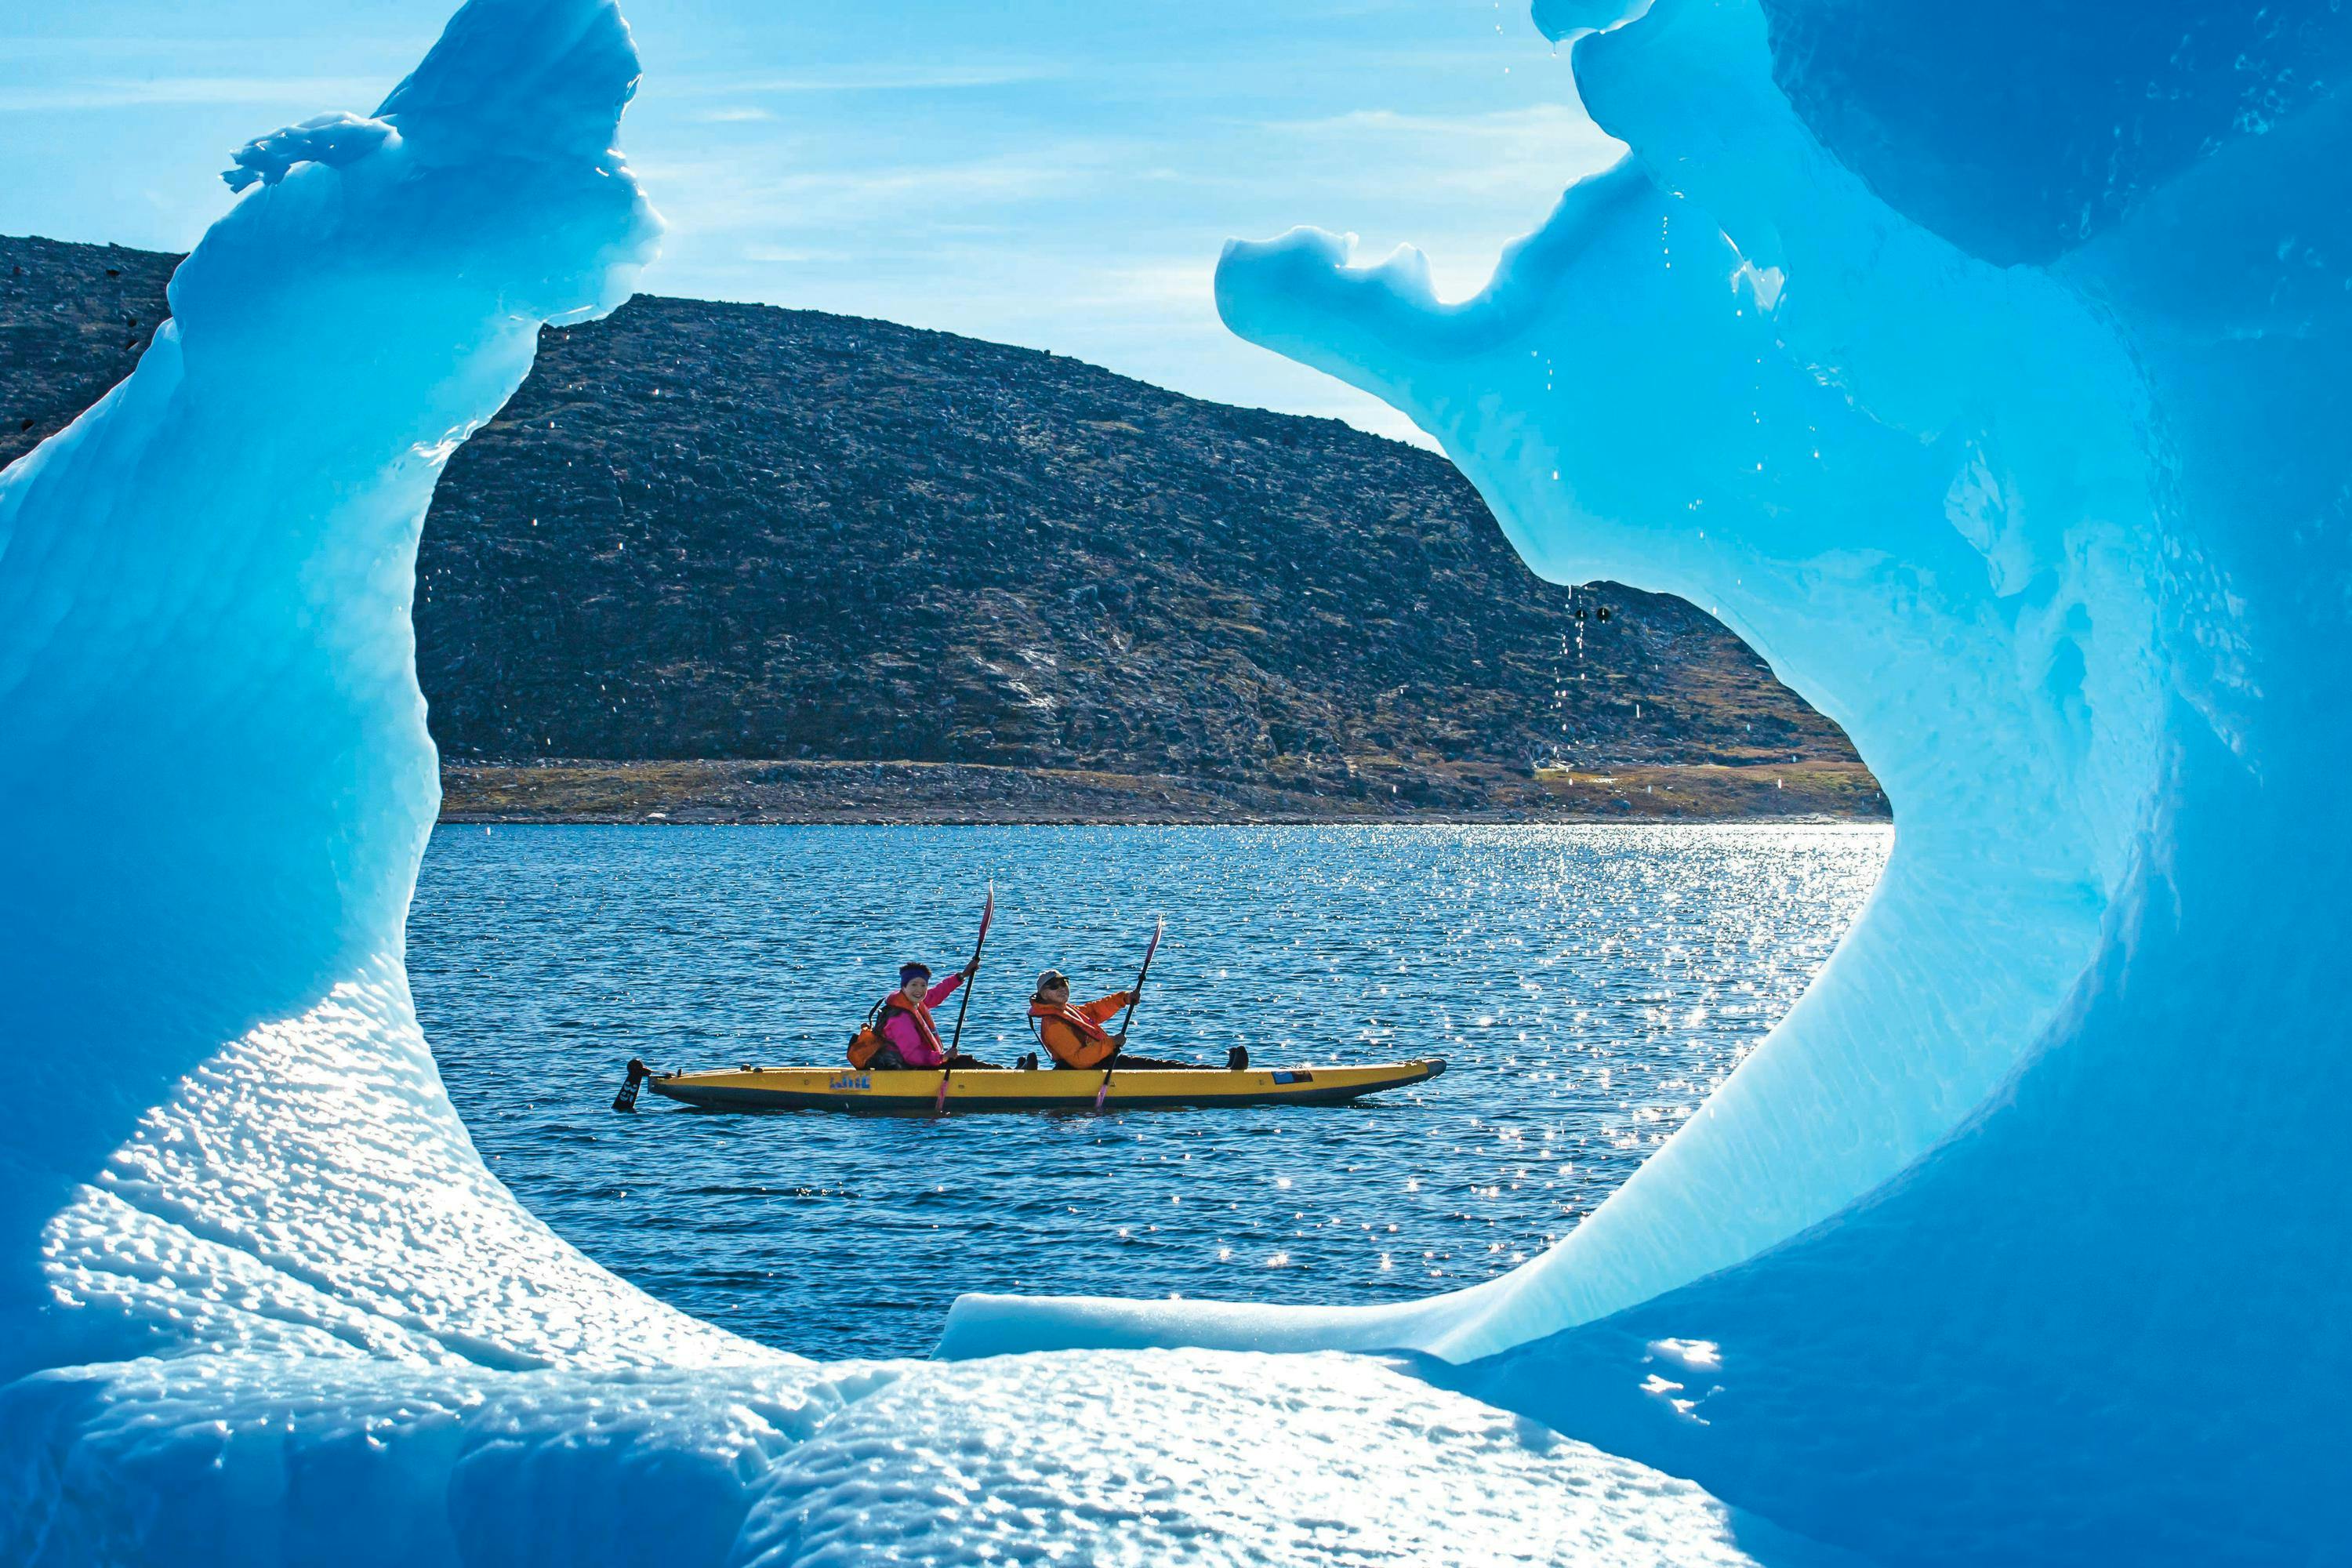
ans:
(1587, 986)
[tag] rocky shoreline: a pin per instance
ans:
(956, 793)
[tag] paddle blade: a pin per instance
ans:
(1101, 1089)
(939, 1105)
(627, 1098)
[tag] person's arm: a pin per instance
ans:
(943, 990)
(1100, 1011)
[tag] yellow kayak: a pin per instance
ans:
(972, 1088)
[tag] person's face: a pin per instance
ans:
(1056, 995)
(914, 988)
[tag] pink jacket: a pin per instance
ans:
(904, 1033)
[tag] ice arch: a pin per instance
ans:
(1959, 569)
(2019, 451)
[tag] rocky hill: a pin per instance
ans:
(754, 543)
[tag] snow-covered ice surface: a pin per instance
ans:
(1985, 368)
(1148, 1458)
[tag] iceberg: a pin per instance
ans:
(260, 1300)
(1986, 371)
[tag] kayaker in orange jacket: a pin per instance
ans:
(1075, 1036)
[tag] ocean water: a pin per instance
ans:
(1587, 985)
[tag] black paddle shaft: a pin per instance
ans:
(956, 1040)
(1134, 1000)
(971, 978)
(1134, 995)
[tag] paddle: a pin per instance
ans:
(987, 913)
(1134, 998)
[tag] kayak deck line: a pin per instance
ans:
(847, 1089)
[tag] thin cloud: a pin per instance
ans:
(403, 49)
(127, 92)
(875, 78)
(773, 254)
(1548, 125)
(1186, 287)
(894, 199)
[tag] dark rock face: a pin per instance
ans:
(73, 320)
(711, 530)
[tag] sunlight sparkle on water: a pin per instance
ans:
(1664, 953)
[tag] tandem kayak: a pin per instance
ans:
(976, 1089)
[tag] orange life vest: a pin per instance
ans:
(1075, 1036)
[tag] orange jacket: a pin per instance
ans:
(1076, 1035)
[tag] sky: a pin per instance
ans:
(1059, 173)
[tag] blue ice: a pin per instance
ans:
(1985, 369)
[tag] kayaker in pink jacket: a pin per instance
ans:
(907, 1018)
